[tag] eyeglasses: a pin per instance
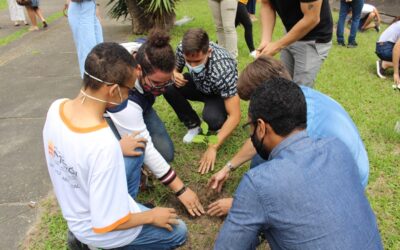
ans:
(247, 124)
(159, 86)
(244, 126)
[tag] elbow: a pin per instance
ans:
(315, 21)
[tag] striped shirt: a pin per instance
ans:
(219, 76)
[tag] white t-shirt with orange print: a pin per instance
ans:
(87, 170)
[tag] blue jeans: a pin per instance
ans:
(162, 142)
(152, 237)
(86, 29)
(159, 135)
(355, 6)
(384, 50)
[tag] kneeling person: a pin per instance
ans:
(307, 195)
(212, 80)
(86, 165)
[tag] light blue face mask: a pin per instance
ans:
(196, 69)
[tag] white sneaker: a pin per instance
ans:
(188, 138)
(379, 70)
(253, 54)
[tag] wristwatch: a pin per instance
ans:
(230, 166)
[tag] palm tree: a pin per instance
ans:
(145, 14)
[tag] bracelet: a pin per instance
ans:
(230, 166)
(181, 191)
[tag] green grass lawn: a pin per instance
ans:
(348, 75)
(3, 4)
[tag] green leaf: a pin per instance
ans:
(212, 140)
(199, 139)
(204, 128)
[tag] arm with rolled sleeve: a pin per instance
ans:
(245, 220)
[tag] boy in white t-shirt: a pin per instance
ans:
(86, 165)
(369, 13)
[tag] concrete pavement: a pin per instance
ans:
(34, 70)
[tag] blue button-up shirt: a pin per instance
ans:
(306, 196)
(327, 118)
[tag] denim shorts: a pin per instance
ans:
(384, 50)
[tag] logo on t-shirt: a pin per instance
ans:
(66, 172)
(51, 148)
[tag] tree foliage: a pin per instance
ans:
(145, 14)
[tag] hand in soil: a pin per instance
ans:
(218, 179)
(208, 160)
(220, 207)
(190, 200)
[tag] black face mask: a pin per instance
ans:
(258, 145)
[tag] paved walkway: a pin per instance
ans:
(34, 70)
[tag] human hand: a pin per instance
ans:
(65, 10)
(180, 81)
(396, 78)
(207, 161)
(270, 49)
(218, 179)
(190, 200)
(260, 48)
(220, 207)
(129, 144)
(164, 217)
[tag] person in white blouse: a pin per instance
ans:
(17, 14)
(156, 62)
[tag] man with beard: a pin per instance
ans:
(307, 195)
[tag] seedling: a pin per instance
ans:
(204, 137)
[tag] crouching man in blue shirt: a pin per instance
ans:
(307, 195)
(325, 118)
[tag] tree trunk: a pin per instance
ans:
(142, 22)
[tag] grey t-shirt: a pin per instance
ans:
(391, 34)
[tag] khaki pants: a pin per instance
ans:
(224, 14)
(303, 59)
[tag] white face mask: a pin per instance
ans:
(100, 100)
(196, 69)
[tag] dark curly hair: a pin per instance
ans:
(156, 53)
(109, 62)
(281, 103)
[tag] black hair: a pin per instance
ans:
(281, 103)
(156, 53)
(109, 62)
(195, 40)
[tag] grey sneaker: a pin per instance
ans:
(379, 70)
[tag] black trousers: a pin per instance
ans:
(214, 112)
(242, 17)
